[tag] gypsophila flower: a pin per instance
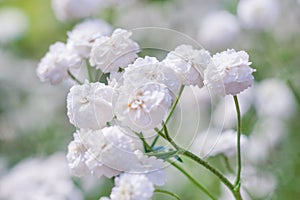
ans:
(90, 105)
(132, 187)
(143, 108)
(39, 179)
(55, 64)
(149, 69)
(82, 37)
(151, 167)
(229, 73)
(257, 14)
(189, 63)
(218, 30)
(109, 147)
(66, 10)
(76, 156)
(114, 52)
(14, 23)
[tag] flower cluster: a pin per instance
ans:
(136, 98)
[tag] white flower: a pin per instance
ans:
(39, 179)
(82, 37)
(257, 14)
(189, 63)
(109, 150)
(149, 69)
(229, 73)
(76, 157)
(14, 23)
(214, 142)
(132, 187)
(90, 105)
(218, 30)
(114, 52)
(66, 10)
(270, 90)
(55, 64)
(143, 108)
(151, 167)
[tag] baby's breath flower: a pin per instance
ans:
(90, 105)
(82, 37)
(149, 69)
(76, 157)
(257, 14)
(229, 73)
(67, 10)
(114, 52)
(144, 107)
(218, 30)
(132, 187)
(189, 63)
(55, 64)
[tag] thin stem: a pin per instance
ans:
(209, 167)
(74, 78)
(147, 148)
(239, 157)
(233, 188)
(174, 104)
(167, 136)
(99, 73)
(196, 183)
(88, 66)
(162, 154)
(170, 113)
(168, 193)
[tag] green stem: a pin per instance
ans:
(170, 113)
(209, 167)
(196, 183)
(147, 148)
(168, 193)
(88, 66)
(175, 104)
(74, 78)
(233, 188)
(239, 157)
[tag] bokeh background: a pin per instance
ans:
(34, 128)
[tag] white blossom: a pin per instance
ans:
(39, 179)
(144, 107)
(218, 30)
(149, 69)
(111, 148)
(76, 157)
(132, 187)
(271, 89)
(151, 167)
(55, 64)
(215, 142)
(189, 63)
(257, 14)
(90, 105)
(83, 35)
(14, 23)
(229, 73)
(67, 10)
(114, 52)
